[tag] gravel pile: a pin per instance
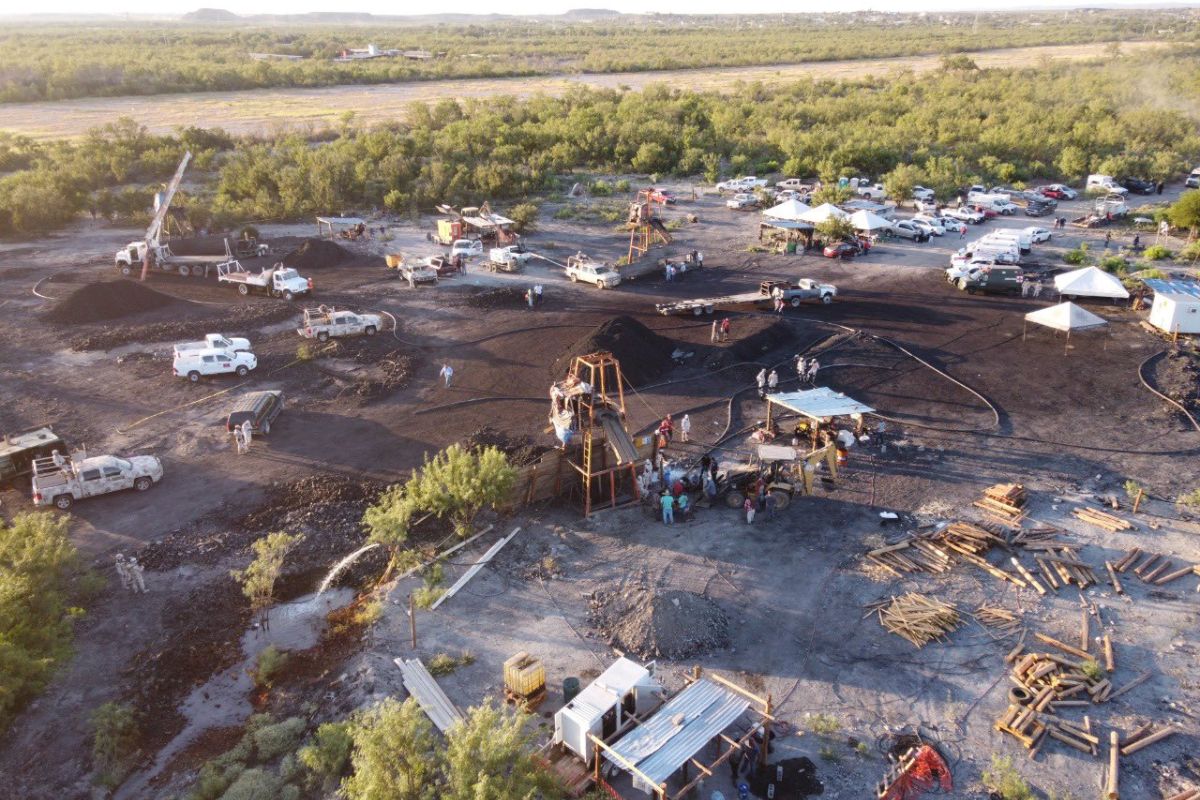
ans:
(644, 355)
(520, 450)
(316, 254)
(660, 624)
(96, 302)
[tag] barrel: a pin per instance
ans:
(570, 689)
(791, 248)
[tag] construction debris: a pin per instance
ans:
(918, 618)
(1000, 619)
(919, 770)
(1005, 501)
(433, 701)
(1108, 522)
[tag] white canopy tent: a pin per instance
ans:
(823, 212)
(1065, 317)
(1090, 282)
(867, 221)
(789, 210)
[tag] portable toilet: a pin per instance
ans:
(601, 709)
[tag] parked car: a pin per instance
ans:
(194, 363)
(745, 183)
(792, 194)
(907, 229)
(1138, 185)
(1059, 191)
(440, 265)
(1039, 235)
(1036, 209)
(1005, 207)
(795, 183)
(61, 486)
(927, 226)
(1193, 180)
(599, 274)
(871, 191)
(323, 322)
(922, 193)
(949, 223)
(260, 409)
(1104, 183)
(663, 196)
(742, 202)
(214, 341)
(842, 250)
(991, 280)
(967, 214)
(467, 248)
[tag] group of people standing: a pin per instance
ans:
(768, 382)
(533, 295)
(130, 573)
(720, 330)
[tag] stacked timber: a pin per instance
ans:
(1101, 519)
(999, 619)
(1152, 568)
(1004, 500)
(918, 618)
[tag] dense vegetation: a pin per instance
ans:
(41, 62)
(956, 126)
(37, 599)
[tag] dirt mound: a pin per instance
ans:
(661, 624)
(752, 347)
(1178, 377)
(315, 254)
(96, 302)
(503, 297)
(520, 449)
(239, 320)
(644, 355)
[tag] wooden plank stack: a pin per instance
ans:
(1101, 519)
(996, 618)
(1005, 501)
(915, 554)
(918, 618)
(1060, 565)
(1152, 568)
(1048, 684)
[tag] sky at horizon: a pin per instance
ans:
(519, 7)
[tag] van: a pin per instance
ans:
(1023, 239)
(260, 408)
(1105, 183)
(991, 280)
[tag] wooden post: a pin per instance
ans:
(766, 726)
(412, 621)
(1114, 754)
(1084, 633)
(1138, 500)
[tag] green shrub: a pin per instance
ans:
(255, 784)
(272, 741)
(1075, 257)
(1191, 499)
(1152, 274)
(601, 189)
(1003, 779)
(1113, 264)
(444, 664)
(824, 724)
(1190, 252)
(827, 753)
(525, 215)
(1156, 252)
(214, 780)
(270, 663)
(622, 186)
(328, 753)
(1092, 669)
(114, 742)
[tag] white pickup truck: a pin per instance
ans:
(747, 183)
(871, 191)
(277, 281)
(321, 323)
(191, 364)
(599, 274)
(214, 341)
(61, 485)
(513, 254)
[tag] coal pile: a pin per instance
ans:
(752, 347)
(503, 297)
(96, 302)
(316, 254)
(660, 624)
(644, 355)
(1178, 377)
(239, 320)
(520, 449)
(799, 780)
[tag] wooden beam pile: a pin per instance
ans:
(1047, 684)
(918, 618)
(1152, 568)
(1000, 619)
(1145, 736)
(1004, 500)
(915, 554)
(1101, 519)
(1060, 565)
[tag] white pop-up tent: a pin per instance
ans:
(823, 212)
(1066, 317)
(789, 210)
(866, 221)
(1090, 282)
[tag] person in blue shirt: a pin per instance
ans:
(668, 508)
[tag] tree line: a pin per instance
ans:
(948, 128)
(54, 62)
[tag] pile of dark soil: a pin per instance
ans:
(645, 356)
(520, 450)
(799, 780)
(239, 320)
(1178, 377)
(96, 302)
(316, 254)
(660, 624)
(752, 347)
(502, 297)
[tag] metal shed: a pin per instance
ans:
(1176, 307)
(820, 404)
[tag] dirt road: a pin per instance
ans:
(266, 110)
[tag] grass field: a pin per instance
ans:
(263, 110)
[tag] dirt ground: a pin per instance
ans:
(1068, 420)
(262, 111)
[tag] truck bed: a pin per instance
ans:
(705, 304)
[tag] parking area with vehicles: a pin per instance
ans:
(966, 397)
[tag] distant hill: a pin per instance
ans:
(211, 15)
(591, 13)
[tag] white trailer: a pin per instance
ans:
(277, 281)
(793, 294)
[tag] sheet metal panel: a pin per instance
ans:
(819, 403)
(680, 729)
(1176, 290)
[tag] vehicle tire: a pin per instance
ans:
(782, 499)
(574, 279)
(288, 296)
(193, 376)
(962, 284)
(322, 337)
(243, 371)
(63, 502)
(735, 499)
(126, 270)
(866, 195)
(698, 311)
(184, 270)
(971, 290)
(370, 330)
(826, 299)
(143, 483)
(795, 302)
(243, 289)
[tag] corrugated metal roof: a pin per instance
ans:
(1176, 290)
(680, 729)
(819, 403)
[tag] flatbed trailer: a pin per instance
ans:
(793, 294)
